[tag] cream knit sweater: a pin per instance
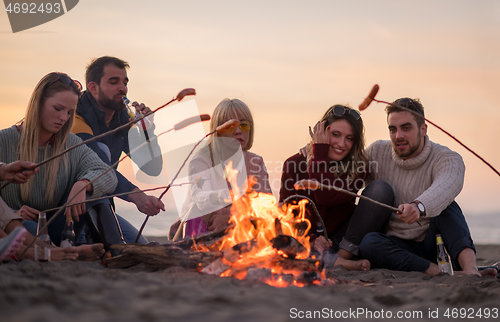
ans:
(434, 177)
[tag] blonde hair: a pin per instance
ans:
(229, 109)
(357, 154)
(28, 147)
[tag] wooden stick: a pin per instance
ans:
(444, 131)
(118, 195)
(90, 140)
(111, 167)
(220, 129)
(314, 185)
(170, 185)
(179, 97)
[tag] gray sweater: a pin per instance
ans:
(83, 163)
(434, 177)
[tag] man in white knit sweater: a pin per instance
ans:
(426, 177)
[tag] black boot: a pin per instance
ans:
(104, 227)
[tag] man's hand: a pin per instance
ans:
(149, 205)
(18, 170)
(28, 213)
(143, 109)
(409, 213)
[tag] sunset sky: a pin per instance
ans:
(289, 61)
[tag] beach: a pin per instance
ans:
(87, 291)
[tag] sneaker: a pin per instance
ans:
(10, 244)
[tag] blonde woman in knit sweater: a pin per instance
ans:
(10, 223)
(425, 177)
(45, 131)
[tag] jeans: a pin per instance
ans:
(368, 217)
(408, 255)
(130, 232)
(56, 227)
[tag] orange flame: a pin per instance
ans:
(257, 219)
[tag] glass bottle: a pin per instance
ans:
(68, 236)
(443, 259)
(145, 122)
(319, 228)
(42, 243)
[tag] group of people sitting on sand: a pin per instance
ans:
(419, 177)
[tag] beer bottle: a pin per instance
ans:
(443, 259)
(68, 236)
(319, 228)
(42, 244)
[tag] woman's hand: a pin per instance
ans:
(321, 244)
(28, 213)
(218, 221)
(76, 210)
(320, 134)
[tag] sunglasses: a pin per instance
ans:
(66, 80)
(244, 126)
(340, 111)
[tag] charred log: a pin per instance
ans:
(234, 253)
(288, 245)
(299, 264)
(205, 240)
(308, 277)
(160, 257)
(259, 274)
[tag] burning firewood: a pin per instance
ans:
(288, 245)
(265, 242)
(158, 257)
(289, 264)
(205, 240)
(259, 274)
(308, 278)
(234, 253)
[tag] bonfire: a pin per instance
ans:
(265, 242)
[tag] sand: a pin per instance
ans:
(86, 291)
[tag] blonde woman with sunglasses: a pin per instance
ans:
(208, 203)
(336, 156)
(44, 132)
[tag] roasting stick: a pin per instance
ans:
(118, 195)
(178, 126)
(315, 185)
(170, 185)
(180, 96)
(371, 97)
(220, 129)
